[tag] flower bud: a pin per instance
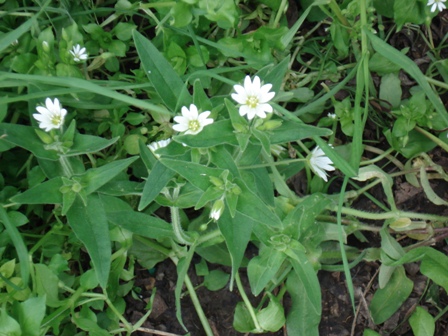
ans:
(45, 46)
(217, 209)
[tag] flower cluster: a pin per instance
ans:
(437, 4)
(51, 116)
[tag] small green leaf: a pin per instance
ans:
(31, 313)
(263, 268)
(271, 318)
(216, 280)
(9, 326)
(242, 320)
(387, 300)
(95, 178)
(422, 323)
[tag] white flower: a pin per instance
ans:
(217, 209)
(79, 54)
(277, 149)
(253, 98)
(153, 146)
(332, 116)
(436, 4)
(191, 122)
(319, 163)
(51, 116)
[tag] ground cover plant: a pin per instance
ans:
(255, 145)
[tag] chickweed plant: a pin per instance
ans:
(113, 111)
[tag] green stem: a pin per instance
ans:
(337, 11)
(388, 215)
(126, 324)
(437, 83)
(66, 166)
(280, 12)
(247, 303)
(197, 305)
(180, 235)
(432, 137)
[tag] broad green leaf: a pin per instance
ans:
(237, 231)
(26, 137)
(89, 325)
(390, 246)
(141, 224)
(435, 266)
(159, 176)
(221, 158)
(308, 277)
(422, 323)
(47, 285)
(390, 89)
(89, 223)
(250, 205)
(387, 300)
(272, 318)
(30, 314)
(19, 246)
(216, 280)
(301, 320)
(161, 74)
(369, 332)
(94, 178)
(44, 193)
(196, 174)
(409, 11)
(263, 268)
(84, 144)
(242, 320)
(9, 326)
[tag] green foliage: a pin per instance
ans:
(86, 198)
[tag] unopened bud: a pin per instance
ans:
(217, 209)
(45, 46)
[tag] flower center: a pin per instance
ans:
(252, 101)
(56, 120)
(194, 125)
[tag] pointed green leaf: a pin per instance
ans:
(218, 133)
(26, 137)
(195, 173)
(141, 224)
(89, 223)
(19, 245)
(387, 300)
(422, 323)
(161, 74)
(95, 178)
(159, 176)
(44, 193)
